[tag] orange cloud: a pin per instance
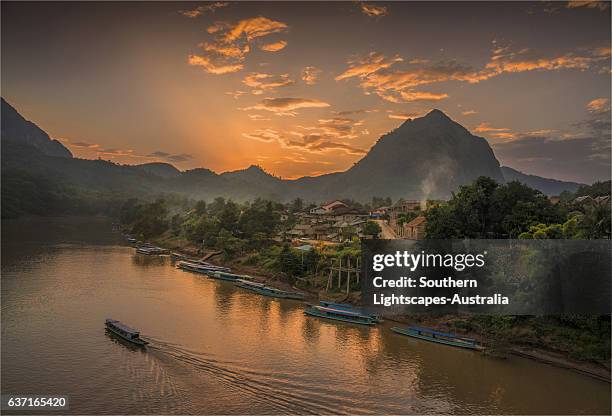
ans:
(263, 135)
(200, 10)
(599, 105)
(229, 51)
(590, 4)
(485, 127)
(209, 66)
(372, 10)
(261, 81)
(378, 75)
(274, 47)
(368, 65)
(310, 75)
(404, 116)
(250, 29)
(469, 112)
(286, 106)
(409, 96)
(232, 44)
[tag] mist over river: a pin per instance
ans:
(215, 348)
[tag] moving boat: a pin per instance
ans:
(129, 334)
(445, 338)
(340, 315)
(348, 307)
(262, 289)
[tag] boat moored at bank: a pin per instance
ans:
(262, 289)
(349, 307)
(151, 250)
(201, 267)
(445, 338)
(125, 332)
(340, 315)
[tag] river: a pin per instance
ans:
(218, 349)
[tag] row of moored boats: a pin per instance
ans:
(325, 309)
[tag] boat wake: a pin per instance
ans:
(273, 392)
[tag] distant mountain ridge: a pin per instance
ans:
(544, 185)
(17, 129)
(427, 157)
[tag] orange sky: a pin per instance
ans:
(307, 88)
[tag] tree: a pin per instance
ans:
(485, 209)
(297, 205)
(372, 228)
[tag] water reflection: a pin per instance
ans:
(216, 348)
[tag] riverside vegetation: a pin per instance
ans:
(252, 236)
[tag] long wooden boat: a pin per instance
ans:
(348, 307)
(151, 250)
(225, 276)
(262, 289)
(340, 315)
(129, 334)
(206, 269)
(438, 337)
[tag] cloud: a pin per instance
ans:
(485, 128)
(262, 81)
(354, 112)
(469, 112)
(274, 47)
(263, 135)
(178, 158)
(599, 105)
(211, 67)
(200, 10)
(409, 96)
(327, 135)
(590, 4)
(494, 132)
(258, 117)
(404, 116)
(286, 106)
(319, 143)
(228, 51)
(232, 43)
(368, 65)
(381, 76)
(310, 75)
(249, 29)
(372, 10)
(236, 94)
(84, 145)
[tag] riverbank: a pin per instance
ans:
(546, 348)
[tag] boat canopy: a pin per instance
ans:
(438, 333)
(122, 326)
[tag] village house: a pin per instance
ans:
(415, 229)
(328, 207)
(379, 212)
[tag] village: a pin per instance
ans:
(335, 222)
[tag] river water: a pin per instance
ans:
(219, 349)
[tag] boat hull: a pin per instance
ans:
(458, 344)
(139, 342)
(338, 318)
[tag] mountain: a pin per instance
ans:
(544, 185)
(163, 170)
(427, 157)
(18, 130)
